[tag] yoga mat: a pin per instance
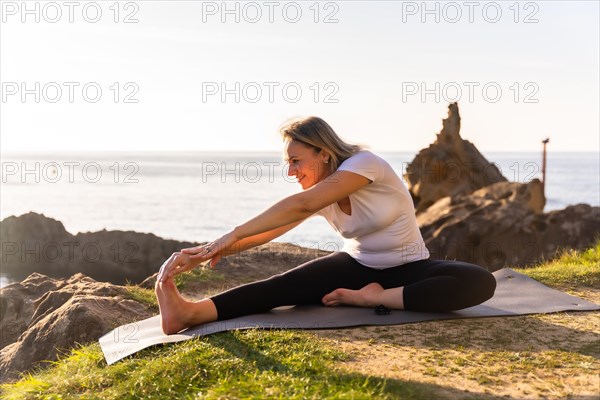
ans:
(516, 294)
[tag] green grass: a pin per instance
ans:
(200, 275)
(298, 364)
(240, 364)
(144, 296)
(572, 268)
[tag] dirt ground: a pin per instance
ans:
(524, 357)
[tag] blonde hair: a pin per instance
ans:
(316, 133)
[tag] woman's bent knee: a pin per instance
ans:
(483, 285)
(488, 286)
(477, 286)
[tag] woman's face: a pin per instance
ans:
(309, 168)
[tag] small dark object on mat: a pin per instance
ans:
(382, 310)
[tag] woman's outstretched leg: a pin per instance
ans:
(305, 284)
(176, 313)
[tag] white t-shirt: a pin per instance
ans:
(382, 230)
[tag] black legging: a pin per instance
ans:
(429, 285)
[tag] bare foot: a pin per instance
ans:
(365, 297)
(174, 309)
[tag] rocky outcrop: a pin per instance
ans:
(17, 305)
(529, 195)
(496, 227)
(35, 243)
(468, 211)
(41, 317)
(448, 167)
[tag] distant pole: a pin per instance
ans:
(545, 142)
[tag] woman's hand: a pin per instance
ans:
(175, 265)
(190, 258)
(213, 251)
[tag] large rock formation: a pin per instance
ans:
(35, 243)
(496, 227)
(41, 317)
(468, 211)
(529, 195)
(448, 167)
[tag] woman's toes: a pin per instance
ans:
(333, 298)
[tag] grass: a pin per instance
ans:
(142, 295)
(198, 275)
(239, 364)
(572, 268)
(538, 353)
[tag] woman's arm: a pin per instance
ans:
(284, 212)
(261, 238)
(292, 209)
(299, 206)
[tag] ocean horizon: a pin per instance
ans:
(198, 196)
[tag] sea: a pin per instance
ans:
(198, 196)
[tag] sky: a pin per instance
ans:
(215, 76)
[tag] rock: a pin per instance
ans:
(497, 226)
(448, 167)
(35, 243)
(17, 305)
(530, 195)
(43, 317)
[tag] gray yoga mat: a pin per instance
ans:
(516, 294)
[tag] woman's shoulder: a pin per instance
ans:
(364, 162)
(363, 155)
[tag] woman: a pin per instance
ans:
(384, 260)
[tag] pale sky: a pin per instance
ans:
(372, 59)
